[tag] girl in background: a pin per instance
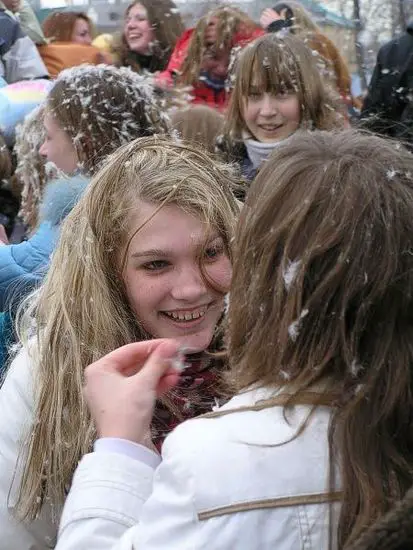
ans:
(202, 55)
(277, 90)
(70, 37)
(151, 30)
(69, 26)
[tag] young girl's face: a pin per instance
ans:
(58, 147)
(81, 32)
(163, 279)
(138, 30)
(271, 117)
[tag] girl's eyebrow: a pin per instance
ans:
(151, 252)
(165, 253)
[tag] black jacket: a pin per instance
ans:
(388, 107)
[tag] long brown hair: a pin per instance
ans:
(167, 25)
(282, 64)
(232, 24)
(323, 291)
(59, 26)
(103, 107)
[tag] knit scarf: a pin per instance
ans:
(258, 152)
(196, 393)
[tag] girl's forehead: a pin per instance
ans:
(137, 9)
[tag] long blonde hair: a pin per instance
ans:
(82, 312)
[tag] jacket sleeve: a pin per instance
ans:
(19, 56)
(21, 265)
(29, 23)
(373, 102)
(118, 503)
(176, 60)
(16, 417)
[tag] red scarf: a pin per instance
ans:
(196, 393)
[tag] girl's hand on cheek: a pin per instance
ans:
(121, 388)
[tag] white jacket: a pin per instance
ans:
(16, 419)
(226, 482)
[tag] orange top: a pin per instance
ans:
(63, 55)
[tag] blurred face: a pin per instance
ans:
(81, 32)
(215, 62)
(58, 147)
(270, 117)
(12, 5)
(163, 279)
(138, 30)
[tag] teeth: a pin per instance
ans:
(185, 316)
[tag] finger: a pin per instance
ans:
(128, 357)
(158, 364)
(167, 382)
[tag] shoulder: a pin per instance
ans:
(10, 32)
(241, 450)
(60, 196)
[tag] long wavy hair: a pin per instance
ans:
(82, 311)
(233, 26)
(103, 107)
(323, 291)
(277, 65)
(167, 25)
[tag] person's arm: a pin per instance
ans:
(19, 56)
(119, 499)
(30, 25)
(117, 502)
(16, 417)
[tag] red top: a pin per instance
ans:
(202, 93)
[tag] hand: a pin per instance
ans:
(3, 236)
(268, 16)
(121, 388)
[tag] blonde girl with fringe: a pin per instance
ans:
(277, 89)
(317, 444)
(146, 253)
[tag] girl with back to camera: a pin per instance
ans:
(317, 444)
(277, 90)
(145, 254)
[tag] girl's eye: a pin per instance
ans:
(213, 252)
(156, 265)
(254, 94)
(283, 94)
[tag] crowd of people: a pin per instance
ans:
(206, 268)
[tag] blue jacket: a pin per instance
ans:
(23, 265)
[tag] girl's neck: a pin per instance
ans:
(258, 151)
